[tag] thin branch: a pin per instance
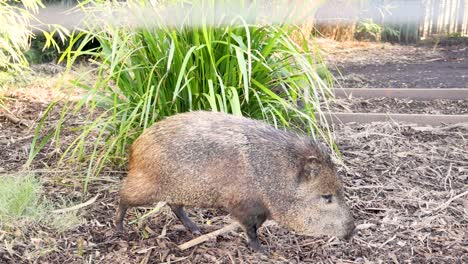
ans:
(208, 236)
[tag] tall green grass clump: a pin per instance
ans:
(147, 73)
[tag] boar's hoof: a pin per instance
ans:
(257, 247)
(188, 223)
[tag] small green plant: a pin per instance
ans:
(455, 35)
(391, 34)
(65, 220)
(22, 202)
(368, 29)
(20, 199)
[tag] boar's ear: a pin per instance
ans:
(310, 170)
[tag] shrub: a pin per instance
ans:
(16, 32)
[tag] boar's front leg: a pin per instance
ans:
(188, 223)
(252, 238)
(251, 216)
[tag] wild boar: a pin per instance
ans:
(255, 171)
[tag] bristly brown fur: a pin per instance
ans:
(209, 159)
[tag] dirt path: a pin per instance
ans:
(383, 65)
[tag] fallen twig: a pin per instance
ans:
(447, 203)
(364, 226)
(153, 211)
(76, 207)
(14, 119)
(208, 236)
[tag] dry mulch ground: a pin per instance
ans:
(400, 105)
(407, 187)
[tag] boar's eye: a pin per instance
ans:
(328, 198)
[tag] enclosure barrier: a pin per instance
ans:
(415, 94)
(412, 93)
(420, 119)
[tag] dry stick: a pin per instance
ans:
(447, 203)
(14, 119)
(364, 226)
(388, 241)
(208, 236)
(447, 177)
(153, 211)
(76, 207)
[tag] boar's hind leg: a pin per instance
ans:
(135, 192)
(189, 224)
(120, 216)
